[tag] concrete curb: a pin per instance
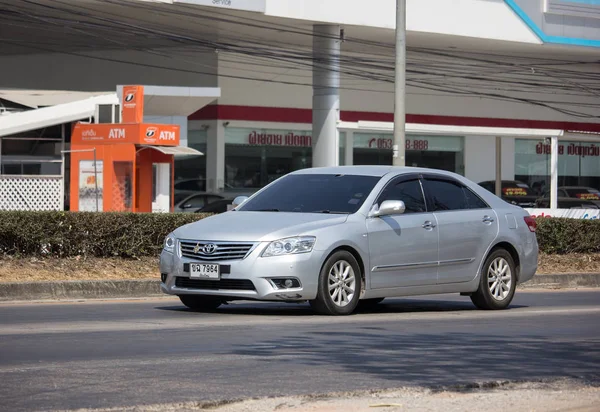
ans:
(106, 289)
(564, 281)
(91, 289)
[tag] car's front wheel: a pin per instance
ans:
(498, 281)
(339, 285)
(196, 302)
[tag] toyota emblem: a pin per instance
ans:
(209, 248)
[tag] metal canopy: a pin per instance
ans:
(177, 151)
(54, 115)
(175, 101)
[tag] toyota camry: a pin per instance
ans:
(345, 236)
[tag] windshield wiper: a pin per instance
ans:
(335, 212)
(268, 210)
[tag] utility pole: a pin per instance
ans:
(399, 148)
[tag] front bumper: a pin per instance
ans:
(304, 267)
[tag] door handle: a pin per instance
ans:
(428, 225)
(487, 219)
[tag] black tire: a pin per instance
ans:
(200, 303)
(324, 303)
(484, 298)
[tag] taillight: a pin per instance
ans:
(530, 222)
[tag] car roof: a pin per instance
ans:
(378, 171)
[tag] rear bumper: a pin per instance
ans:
(528, 260)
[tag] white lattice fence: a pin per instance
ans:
(31, 193)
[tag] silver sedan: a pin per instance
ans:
(345, 236)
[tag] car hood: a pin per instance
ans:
(257, 226)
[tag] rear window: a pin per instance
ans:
(584, 194)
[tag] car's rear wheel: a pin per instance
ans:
(197, 302)
(339, 285)
(498, 281)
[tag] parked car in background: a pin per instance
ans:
(340, 236)
(183, 188)
(196, 201)
(572, 197)
(188, 187)
(513, 191)
(218, 206)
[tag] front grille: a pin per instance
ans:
(223, 284)
(223, 250)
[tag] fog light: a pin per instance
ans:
(285, 283)
(163, 277)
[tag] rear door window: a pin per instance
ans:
(474, 201)
(445, 195)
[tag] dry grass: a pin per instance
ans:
(571, 263)
(39, 270)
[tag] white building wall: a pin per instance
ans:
(380, 98)
(480, 158)
(487, 19)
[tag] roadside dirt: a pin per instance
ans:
(40, 270)
(50, 269)
(524, 397)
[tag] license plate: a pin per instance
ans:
(204, 271)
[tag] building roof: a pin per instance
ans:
(50, 116)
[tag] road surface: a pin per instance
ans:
(94, 354)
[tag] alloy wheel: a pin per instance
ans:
(342, 283)
(499, 278)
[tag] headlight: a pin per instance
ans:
(169, 244)
(289, 246)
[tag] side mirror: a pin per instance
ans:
(389, 208)
(239, 200)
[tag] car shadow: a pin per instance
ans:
(431, 358)
(388, 306)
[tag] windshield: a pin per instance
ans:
(584, 193)
(313, 193)
(516, 189)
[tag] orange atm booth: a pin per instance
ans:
(125, 166)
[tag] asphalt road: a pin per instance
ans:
(120, 353)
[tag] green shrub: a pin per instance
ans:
(69, 234)
(564, 235)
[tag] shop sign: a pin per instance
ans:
(574, 158)
(133, 104)
(388, 143)
(569, 213)
(418, 143)
(573, 149)
(144, 133)
(279, 139)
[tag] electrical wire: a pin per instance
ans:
(494, 76)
